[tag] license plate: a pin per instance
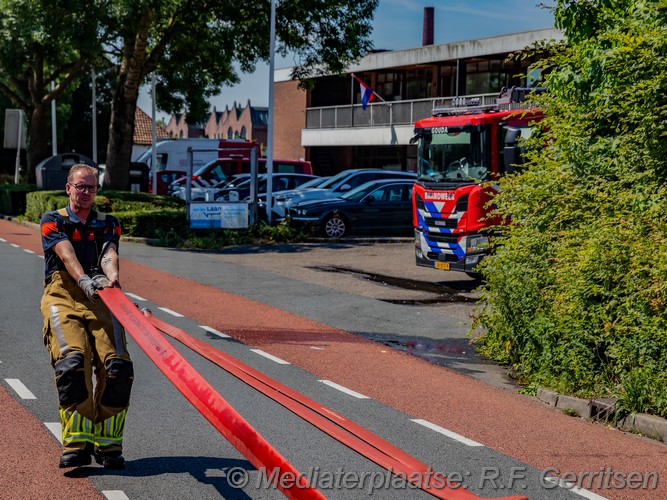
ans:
(442, 265)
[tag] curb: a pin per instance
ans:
(604, 410)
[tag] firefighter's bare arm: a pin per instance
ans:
(65, 252)
(109, 264)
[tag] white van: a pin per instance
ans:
(173, 154)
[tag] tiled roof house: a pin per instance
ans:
(143, 133)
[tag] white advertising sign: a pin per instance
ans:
(218, 215)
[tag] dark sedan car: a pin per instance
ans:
(281, 182)
(382, 206)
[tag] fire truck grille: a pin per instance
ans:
(447, 223)
(442, 238)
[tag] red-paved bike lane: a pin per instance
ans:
(516, 425)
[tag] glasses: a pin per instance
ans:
(84, 187)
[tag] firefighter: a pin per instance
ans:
(82, 337)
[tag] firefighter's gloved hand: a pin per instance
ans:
(89, 287)
(104, 282)
(101, 281)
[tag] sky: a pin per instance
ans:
(397, 25)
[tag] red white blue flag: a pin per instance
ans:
(367, 93)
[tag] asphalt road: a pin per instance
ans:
(312, 329)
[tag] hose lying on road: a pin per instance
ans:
(335, 425)
(205, 398)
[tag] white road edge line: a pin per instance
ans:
(270, 356)
(27, 251)
(446, 432)
(20, 388)
(14, 245)
(3, 240)
(575, 489)
(56, 429)
(115, 495)
(317, 348)
(214, 331)
(135, 297)
(347, 391)
(169, 311)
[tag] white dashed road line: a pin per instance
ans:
(347, 391)
(574, 489)
(214, 331)
(20, 388)
(169, 311)
(27, 251)
(135, 297)
(448, 433)
(115, 495)
(56, 429)
(270, 356)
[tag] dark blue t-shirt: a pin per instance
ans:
(87, 239)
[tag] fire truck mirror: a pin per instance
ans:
(512, 151)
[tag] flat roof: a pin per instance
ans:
(452, 51)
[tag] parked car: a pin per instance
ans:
(220, 169)
(281, 182)
(199, 193)
(380, 206)
(311, 184)
(334, 187)
(164, 179)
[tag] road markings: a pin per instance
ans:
(575, 489)
(135, 297)
(115, 495)
(446, 432)
(169, 311)
(56, 429)
(270, 356)
(214, 331)
(27, 251)
(20, 388)
(14, 245)
(317, 348)
(347, 391)
(3, 240)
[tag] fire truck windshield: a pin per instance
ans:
(459, 154)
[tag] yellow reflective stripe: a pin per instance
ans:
(75, 427)
(110, 431)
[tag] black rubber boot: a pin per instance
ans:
(112, 460)
(76, 458)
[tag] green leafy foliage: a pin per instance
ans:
(576, 295)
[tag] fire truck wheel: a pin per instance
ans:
(335, 226)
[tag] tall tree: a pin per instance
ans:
(193, 46)
(44, 42)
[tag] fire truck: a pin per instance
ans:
(462, 151)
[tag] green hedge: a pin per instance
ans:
(140, 214)
(13, 198)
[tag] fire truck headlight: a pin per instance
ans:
(473, 260)
(478, 243)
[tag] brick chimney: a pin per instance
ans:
(427, 35)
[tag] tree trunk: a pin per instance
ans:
(121, 137)
(38, 148)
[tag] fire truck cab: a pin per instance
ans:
(462, 150)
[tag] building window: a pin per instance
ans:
(230, 133)
(243, 133)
